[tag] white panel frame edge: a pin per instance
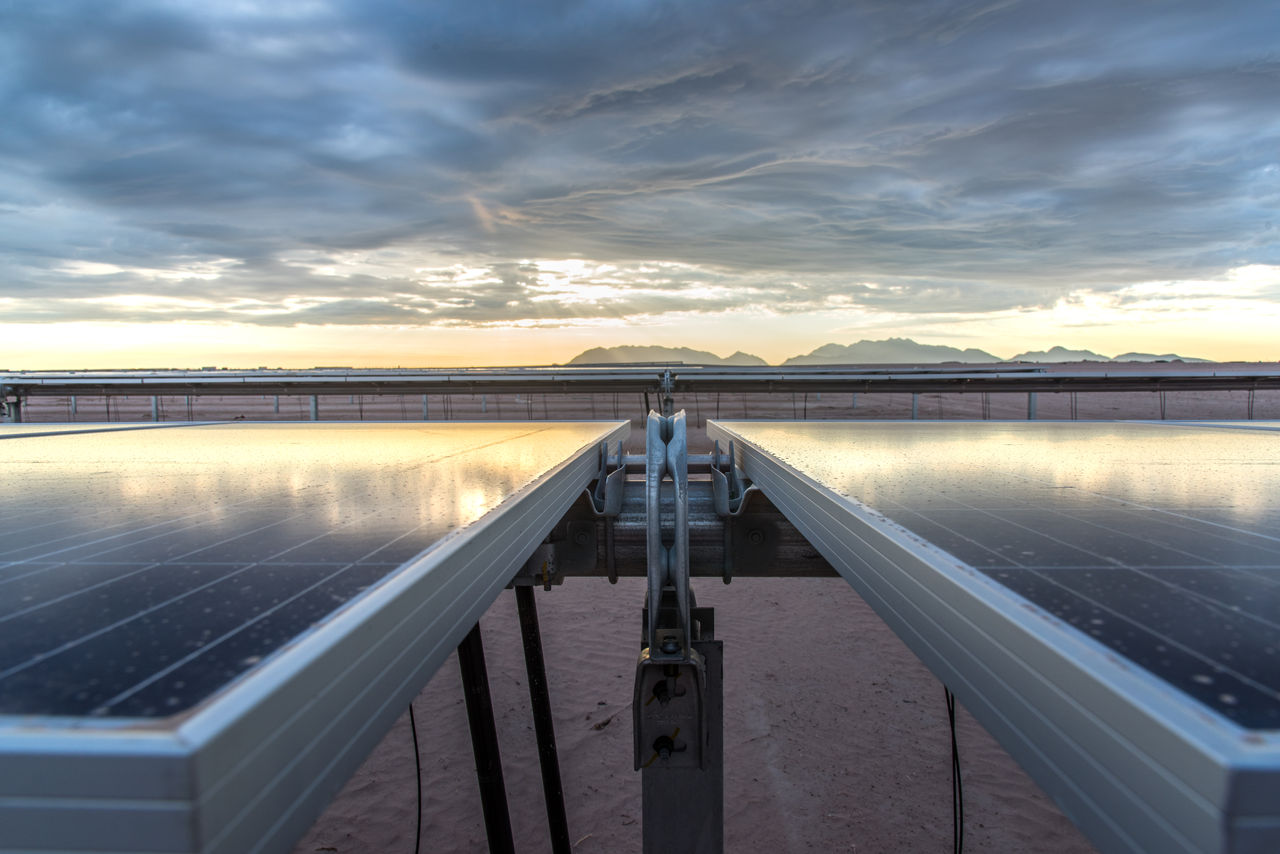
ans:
(251, 768)
(1135, 763)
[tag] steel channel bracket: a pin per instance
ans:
(571, 548)
(606, 501)
(12, 408)
(667, 388)
(671, 714)
(729, 495)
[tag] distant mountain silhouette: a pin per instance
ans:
(1062, 354)
(1149, 357)
(1059, 354)
(685, 355)
(901, 351)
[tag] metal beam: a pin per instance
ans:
(760, 542)
(679, 379)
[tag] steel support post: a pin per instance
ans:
(315, 407)
(155, 407)
(13, 410)
(543, 725)
(484, 743)
(682, 808)
(915, 406)
(426, 411)
(1031, 406)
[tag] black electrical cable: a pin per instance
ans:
(957, 791)
(417, 766)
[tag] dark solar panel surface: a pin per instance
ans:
(1160, 541)
(141, 571)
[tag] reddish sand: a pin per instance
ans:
(836, 737)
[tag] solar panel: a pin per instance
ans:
(24, 431)
(1104, 596)
(205, 629)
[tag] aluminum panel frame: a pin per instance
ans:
(251, 768)
(1136, 764)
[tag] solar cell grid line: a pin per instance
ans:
(32, 538)
(1210, 543)
(1176, 536)
(1105, 597)
(1159, 556)
(33, 544)
(1245, 594)
(130, 526)
(191, 687)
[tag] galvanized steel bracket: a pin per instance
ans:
(670, 691)
(606, 498)
(670, 712)
(667, 551)
(728, 487)
(729, 495)
(667, 388)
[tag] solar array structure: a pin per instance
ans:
(204, 629)
(1104, 597)
(22, 386)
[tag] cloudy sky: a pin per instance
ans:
(379, 183)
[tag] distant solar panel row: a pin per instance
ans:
(1106, 597)
(182, 609)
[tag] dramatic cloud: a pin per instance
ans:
(394, 163)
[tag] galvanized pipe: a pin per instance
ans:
(543, 725)
(484, 743)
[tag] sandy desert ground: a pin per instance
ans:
(836, 736)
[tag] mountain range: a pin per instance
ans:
(901, 351)
(644, 354)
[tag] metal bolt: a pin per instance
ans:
(581, 538)
(670, 646)
(662, 693)
(755, 536)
